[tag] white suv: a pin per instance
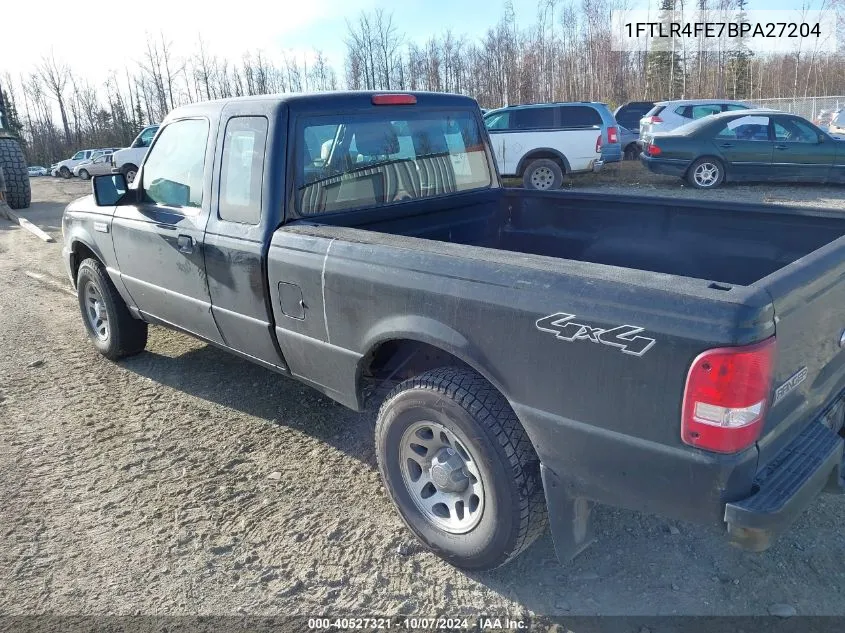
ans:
(668, 115)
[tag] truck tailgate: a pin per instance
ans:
(808, 297)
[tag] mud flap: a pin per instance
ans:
(569, 517)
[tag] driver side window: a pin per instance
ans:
(794, 131)
(173, 171)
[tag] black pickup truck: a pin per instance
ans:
(533, 353)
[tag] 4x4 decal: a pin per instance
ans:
(624, 337)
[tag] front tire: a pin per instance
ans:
(542, 174)
(65, 173)
(706, 173)
(83, 173)
(110, 326)
(460, 468)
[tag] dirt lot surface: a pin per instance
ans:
(185, 480)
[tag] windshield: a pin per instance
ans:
(355, 161)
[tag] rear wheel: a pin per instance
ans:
(460, 468)
(110, 326)
(129, 172)
(542, 174)
(706, 173)
(632, 152)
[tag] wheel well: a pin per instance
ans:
(78, 254)
(537, 155)
(395, 360)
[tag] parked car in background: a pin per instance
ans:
(37, 170)
(126, 161)
(540, 143)
(668, 115)
(65, 168)
(628, 141)
(754, 145)
(824, 117)
(629, 114)
(836, 123)
(99, 165)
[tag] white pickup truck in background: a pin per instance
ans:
(540, 143)
(126, 161)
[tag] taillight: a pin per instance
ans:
(612, 135)
(598, 144)
(726, 397)
(652, 150)
(394, 99)
(654, 119)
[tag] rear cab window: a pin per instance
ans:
(351, 161)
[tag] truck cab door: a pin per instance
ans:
(158, 239)
(240, 228)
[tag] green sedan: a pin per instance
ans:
(747, 145)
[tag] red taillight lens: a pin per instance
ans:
(726, 397)
(394, 99)
(655, 119)
(598, 144)
(612, 135)
(652, 150)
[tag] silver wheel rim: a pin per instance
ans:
(95, 311)
(542, 178)
(442, 477)
(706, 174)
(130, 176)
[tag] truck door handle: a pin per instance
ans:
(726, 145)
(186, 244)
(781, 147)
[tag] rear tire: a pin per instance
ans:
(542, 174)
(112, 329)
(456, 409)
(706, 173)
(16, 174)
(129, 172)
(632, 152)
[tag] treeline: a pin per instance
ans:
(564, 54)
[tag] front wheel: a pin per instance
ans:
(460, 468)
(83, 173)
(64, 172)
(542, 174)
(706, 173)
(112, 329)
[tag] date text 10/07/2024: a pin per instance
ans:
(483, 623)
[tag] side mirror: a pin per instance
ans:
(108, 189)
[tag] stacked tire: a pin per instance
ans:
(15, 174)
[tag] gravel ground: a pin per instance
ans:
(186, 481)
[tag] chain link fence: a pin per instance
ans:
(810, 108)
